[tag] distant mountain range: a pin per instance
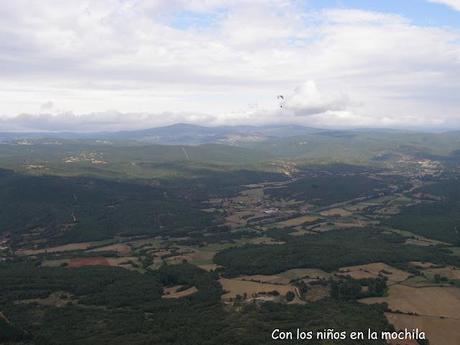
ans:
(193, 134)
(189, 134)
(288, 141)
(181, 133)
(249, 144)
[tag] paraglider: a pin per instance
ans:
(281, 100)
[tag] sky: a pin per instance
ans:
(125, 64)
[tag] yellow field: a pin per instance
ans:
(455, 250)
(3, 318)
(433, 309)
(56, 299)
(121, 248)
(298, 221)
(298, 273)
(316, 292)
(439, 331)
(300, 232)
(260, 240)
(200, 256)
(449, 272)
(428, 301)
(336, 212)
(238, 217)
(422, 264)
(55, 263)
(352, 224)
(270, 279)
(418, 281)
(112, 261)
(123, 262)
(64, 248)
(373, 270)
(257, 193)
(423, 241)
(147, 242)
(209, 267)
(236, 286)
(172, 292)
(285, 278)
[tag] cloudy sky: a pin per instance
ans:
(122, 64)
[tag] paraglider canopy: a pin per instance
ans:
(281, 100)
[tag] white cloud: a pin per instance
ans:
(143, 57)
(455, 4)
(308, 100)
(47, 105)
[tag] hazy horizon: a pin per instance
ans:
(240, 126)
